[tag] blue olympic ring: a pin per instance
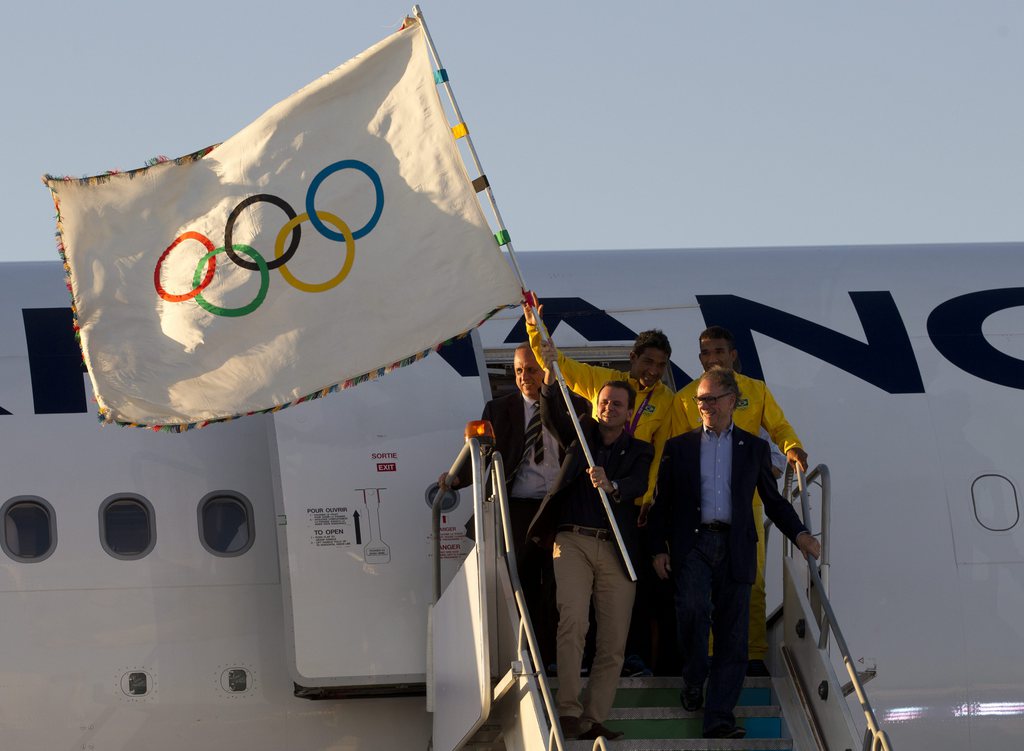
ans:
(314, 217)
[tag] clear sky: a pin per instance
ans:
(599, 124)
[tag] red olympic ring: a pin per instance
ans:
(202, 285)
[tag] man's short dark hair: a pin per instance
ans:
(652, 338)
(724, 378)
(621, 385)
(718, 332)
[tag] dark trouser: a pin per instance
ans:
(537, 577)
(707, 597)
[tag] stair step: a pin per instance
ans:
(668, 697)
(687, 744)
(669, 682)
(664, 692)
(647, 710)
(678, 713)
(759, 728)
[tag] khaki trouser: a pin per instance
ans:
(584, 566)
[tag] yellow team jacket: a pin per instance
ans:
(756, 408)
(586, 380)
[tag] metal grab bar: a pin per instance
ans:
(874, 737)
(525, 630)
(470, 448)
(435, 508)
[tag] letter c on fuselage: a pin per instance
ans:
(955, 330)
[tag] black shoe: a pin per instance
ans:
(726, 731)
(597, 730)
(757, 669)
(691, 698)
(570, 726)
(634, 667)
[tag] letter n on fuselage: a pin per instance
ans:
(885, 360)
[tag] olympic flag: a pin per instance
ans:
(336, 237)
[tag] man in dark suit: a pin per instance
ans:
(531, 457)
(703, 517)
(572, 521)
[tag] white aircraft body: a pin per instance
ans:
(264, 584)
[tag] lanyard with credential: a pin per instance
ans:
(636, 415)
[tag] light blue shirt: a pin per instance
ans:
(716, 476)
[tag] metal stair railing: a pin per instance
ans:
(875, 739)
(525, 632)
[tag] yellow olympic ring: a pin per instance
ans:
(350, 253)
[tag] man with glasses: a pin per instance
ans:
(757, 409)
(703, 528)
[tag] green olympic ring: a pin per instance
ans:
(245, 309)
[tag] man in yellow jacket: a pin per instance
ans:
(757, 409)
(652, 418)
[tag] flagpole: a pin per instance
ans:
(502, 236)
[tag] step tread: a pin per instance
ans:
(678, 713)
(687, 744)
(669, 682)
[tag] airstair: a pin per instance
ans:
(486, 691)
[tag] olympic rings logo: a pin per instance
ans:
(292, 229)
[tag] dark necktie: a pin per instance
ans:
(533, 440)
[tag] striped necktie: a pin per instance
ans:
(533, 440)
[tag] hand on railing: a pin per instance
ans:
(808, 545)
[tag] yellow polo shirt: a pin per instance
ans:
(655, 422)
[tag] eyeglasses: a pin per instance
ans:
(709, 400)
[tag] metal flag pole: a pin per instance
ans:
(482, 185)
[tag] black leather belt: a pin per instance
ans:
(600, 534)
(715, 526)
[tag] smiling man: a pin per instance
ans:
(572, 522)
(532, 458)
(652, 416)
(704, 530)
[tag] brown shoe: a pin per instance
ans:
(571, 726)
(596, 730)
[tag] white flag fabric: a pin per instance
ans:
(336, 237)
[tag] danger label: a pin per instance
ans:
(452, 539)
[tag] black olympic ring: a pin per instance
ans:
(230, 225)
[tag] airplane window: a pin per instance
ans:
(127, 529)
(29, 533)
(235, 680)
(225, 523)
(995, 503)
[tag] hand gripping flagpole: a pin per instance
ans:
(482, 185)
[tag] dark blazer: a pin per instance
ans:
(675, 516)
(506, 417)
(630, 469)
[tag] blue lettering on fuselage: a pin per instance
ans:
(885, 359)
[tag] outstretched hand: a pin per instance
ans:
(531, 319)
